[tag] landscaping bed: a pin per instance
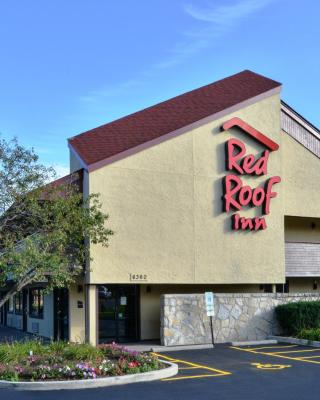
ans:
(34, 361)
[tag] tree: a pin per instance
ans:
(45, 228)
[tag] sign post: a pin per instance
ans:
(209, 302)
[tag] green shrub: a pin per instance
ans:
(309, 334)
(293, 317)
(83, 352)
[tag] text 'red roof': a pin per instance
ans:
(151, 123)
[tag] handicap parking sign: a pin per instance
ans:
(209, 302)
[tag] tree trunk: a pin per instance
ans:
(15, 289)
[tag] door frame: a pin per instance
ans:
(137, 319)
(57, 303)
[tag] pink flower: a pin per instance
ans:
(19, 369)
(133, 364)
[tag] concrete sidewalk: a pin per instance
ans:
(156, 347)
(13, 335)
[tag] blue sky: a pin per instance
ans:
(68, 66)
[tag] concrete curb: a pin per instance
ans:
(171, 370)
(272, 340)
(164, 349)
(292, 340)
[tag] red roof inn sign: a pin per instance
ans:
(237, 195)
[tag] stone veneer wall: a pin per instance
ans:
(238, 317)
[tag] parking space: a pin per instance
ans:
(224, 361)
(286, 352)
(277, 372)
(191, 370)
(231, 362)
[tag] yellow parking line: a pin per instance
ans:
(188, 368)
(191, 377)
(294, 358)
(294, 351)
(162, 356)
(275, 355)
(177, 361)
(193, 364)
(272, 347)
(170, 358)
(310, 357)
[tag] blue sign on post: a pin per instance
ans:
(209, 302)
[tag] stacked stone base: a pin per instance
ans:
(238, 317)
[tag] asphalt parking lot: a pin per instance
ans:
(279, 371)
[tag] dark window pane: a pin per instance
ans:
(18, 303)
(36, 303)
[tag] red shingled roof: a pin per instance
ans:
(75, 179)
(151, 123)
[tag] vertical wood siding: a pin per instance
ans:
(301, 134)
(302, 259)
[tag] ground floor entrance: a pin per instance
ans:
(61, 314)
(118, 319)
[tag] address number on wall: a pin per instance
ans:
(138, 277)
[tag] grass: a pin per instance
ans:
(14, 352)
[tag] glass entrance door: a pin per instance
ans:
(61, 314)
(118, 313)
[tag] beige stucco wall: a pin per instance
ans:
(91, 315)
(303, 285)
(76, 315)
(301, 177)
(299, 229)
(166, 210)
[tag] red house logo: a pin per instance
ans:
(237, 195)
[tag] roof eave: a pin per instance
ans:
(76, 154)
(119, 156)
(300, 119)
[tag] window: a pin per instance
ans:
(283, 287)
(36, 303)
(10, 306)
(18, 303)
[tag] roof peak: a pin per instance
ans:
(167, 116)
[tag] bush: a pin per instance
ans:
(293, 317)
(309, 334)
